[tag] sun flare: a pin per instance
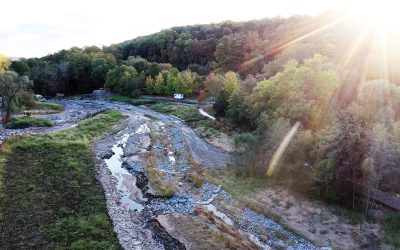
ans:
(378, 13)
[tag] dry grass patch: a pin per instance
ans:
(155, 176)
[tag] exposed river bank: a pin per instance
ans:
(192, 218)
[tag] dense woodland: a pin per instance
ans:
(264, 76)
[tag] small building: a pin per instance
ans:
(178, 96)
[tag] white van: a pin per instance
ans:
(178, 96)
(40, 98)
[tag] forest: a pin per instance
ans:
(263, 76)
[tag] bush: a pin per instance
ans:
(26, 100)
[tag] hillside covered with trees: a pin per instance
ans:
(265, 76)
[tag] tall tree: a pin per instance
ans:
(4, 63)
(11, 85)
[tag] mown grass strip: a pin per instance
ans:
(26, 122)
(50, 197)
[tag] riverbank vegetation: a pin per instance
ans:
(188, 113)
(50, 197)
(48, 106)
(161, 188)
(133, 101)
(26, 122)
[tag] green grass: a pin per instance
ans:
(26, 122)
(155, 177)
(48, 106)
(50, 197)
(391, 226)
(204, 126)
(184, 112)
(189, 114)
(133, 101)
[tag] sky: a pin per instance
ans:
(36, 28)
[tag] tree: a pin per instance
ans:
(150, 85)
(4, 63)
(171, 85)
(239, 112)
(125, 80)
(187, 83)
(100, 67)
(139, 63)
(253, 50)
(231, 82)
(159, 84)
(20, 67)
(153, 69)
(229, 52)
(221, 103)
(301, 92)
(11, 85)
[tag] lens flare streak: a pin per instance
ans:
(281, 149)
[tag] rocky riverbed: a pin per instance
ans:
(145, 220)
(74, 111)
(192, 217)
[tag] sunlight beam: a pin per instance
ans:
(301, 38)
(355, 46)
(296, 40)
(281, 149)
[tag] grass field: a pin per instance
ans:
(48, 106)
(133, 101)
(185, 112)
(49, 195)
(26, 122)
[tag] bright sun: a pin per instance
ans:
(377, 12)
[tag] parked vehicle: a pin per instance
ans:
(178, 96)
(40, 98)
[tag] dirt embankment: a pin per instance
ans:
(318, 222)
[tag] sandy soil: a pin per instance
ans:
(317, 221)
(224, 142)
